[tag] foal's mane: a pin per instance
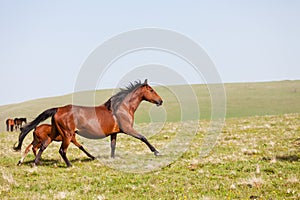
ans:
(114, 102)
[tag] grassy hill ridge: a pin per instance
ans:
(243, 99)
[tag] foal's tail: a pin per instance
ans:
(28, 127)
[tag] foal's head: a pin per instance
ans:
(150, 95)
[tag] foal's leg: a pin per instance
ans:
(113, 141)
(25, 154)
(44, 145)
(35, 144)
(130, 131)
(36, 147)
(74, 141)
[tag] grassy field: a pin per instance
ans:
(257, 155)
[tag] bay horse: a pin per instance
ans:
(115, 116)
(40, 134)
(19, 122)
(10, 125)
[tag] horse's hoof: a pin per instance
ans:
(69, 166)
(156, 153)
(19, 163)
(34, 165)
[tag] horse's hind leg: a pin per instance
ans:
(63, 150)
(74, 141)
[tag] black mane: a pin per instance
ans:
(114, 102)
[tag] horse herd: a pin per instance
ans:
(15, 124)
(115, 116)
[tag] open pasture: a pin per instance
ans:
(256, 157)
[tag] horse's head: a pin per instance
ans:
(150, 95)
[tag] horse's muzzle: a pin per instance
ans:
(159, 103)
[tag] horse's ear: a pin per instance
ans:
(146, 82)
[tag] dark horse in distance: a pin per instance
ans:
(114, 116)
(42, 133)
(19, 122)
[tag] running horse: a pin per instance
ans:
(10, 125)
(19, 122)
(40, 134)
(115, 116)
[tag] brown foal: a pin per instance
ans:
(42, 133)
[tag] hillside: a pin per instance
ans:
(243, 99)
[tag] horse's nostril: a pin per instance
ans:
(159, 103)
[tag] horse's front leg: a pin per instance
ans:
(74, 141)
(113, 141)
(132, 132)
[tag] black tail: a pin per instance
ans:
(28, 127)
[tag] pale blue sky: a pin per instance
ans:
(44, 44)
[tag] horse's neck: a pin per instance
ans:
(133, 100)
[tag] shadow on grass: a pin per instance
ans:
(297, 142)
(58, 163)
(45, 162)
(288, 158)
(81, 160)
(291, 158)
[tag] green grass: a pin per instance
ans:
(251, 99)
(254, 157)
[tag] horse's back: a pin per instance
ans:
(91, 122)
